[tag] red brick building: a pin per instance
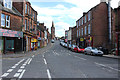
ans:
(92, 27)
(29, 25)
(11, 35)
(117, 30)
(53, 31)
(74, 35)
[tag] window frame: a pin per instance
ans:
(8, 21)
(7, 4)
(3, 19)
(25, 24)
(89, 29)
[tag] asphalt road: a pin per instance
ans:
(59, 62)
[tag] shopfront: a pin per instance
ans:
(34, 44)
(39, 41)
(11, 41)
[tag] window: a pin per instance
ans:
(85, 30)
(89, 29)
(82, 21)
(34, 15)
(31, 13)
(89, 16)
(85, 18)
(82, 31)
(31, 24)
(79, 22)
(25, 24)
(8, 4)
(79, 32)
(2, 20)
(26, 9)
(28, 25)
(7, 21)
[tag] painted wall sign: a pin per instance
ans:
(10, 33)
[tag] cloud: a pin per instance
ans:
(63, 16)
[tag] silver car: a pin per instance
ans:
(93, 51)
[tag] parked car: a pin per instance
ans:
(73, 47)
(52, 40)
(93, 51)
(69, 46)
(65, 45)
(104, 50)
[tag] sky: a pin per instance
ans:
(64, 13)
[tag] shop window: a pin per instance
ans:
(7, 21)
(1, 45)
(9, 45)
(2, 20)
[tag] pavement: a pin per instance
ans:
(27, 53)
(59, 63)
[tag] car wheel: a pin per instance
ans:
(92, 54)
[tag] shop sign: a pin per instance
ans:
(81, 39)
(90, 38)
(33, 40)
(10, 33)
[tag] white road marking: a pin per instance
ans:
(45, 61)
(22, 67)
(20, 70)
(80, 58)
(43, 56)
(33, 56)
(21, 61)
(0, 78)
(14, 67)
(27, 60)
(30, 61)
(21, 74)
(17, 64)
(17, 74)
(106, 66)
(5, 75)
(10, 70)
(49, 76)
(24, 64)
(100, 64)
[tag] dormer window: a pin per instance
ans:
(8, 4)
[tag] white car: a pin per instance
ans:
(93, 51)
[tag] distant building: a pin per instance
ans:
(74, 35)
(70, 35)
(53, 31)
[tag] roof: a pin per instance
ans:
(12, 11)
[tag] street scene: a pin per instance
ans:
(57, 40)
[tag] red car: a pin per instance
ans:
(77, 49)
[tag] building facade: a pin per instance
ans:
(74, 35)
(11, 35)
(116, 32)
(93, 28)
(29, 25)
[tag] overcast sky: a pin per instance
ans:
(64, 13)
